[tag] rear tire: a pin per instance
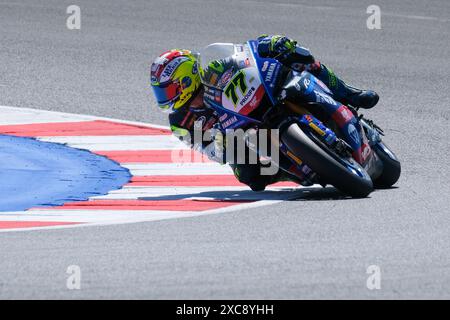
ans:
(328, 168)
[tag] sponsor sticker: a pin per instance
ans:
(324, 98)
(218, 96)
(270, 72)
(247, 96)
(346, 114)
(223, 117)
(226, 77)
(195, 68)
(365, 152)
(229, 122)
(322, 85)
(170, 68)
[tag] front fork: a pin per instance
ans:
(308, 122)
(326, 135)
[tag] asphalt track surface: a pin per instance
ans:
(317, 246)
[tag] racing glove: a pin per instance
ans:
(279, 47)
(284, 49)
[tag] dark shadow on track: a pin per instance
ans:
(286, 194)
(387, 188)
(322, 194)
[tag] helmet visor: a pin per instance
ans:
(167, 93)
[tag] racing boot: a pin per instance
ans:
(343, 92)
(250, 174)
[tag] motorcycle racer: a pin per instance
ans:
(176, 84)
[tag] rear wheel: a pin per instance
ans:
(344, 174)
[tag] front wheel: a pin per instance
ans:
(344, 174)
(391, 166)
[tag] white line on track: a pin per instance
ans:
(184, 168)
(119, 143)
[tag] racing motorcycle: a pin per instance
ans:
(251, 94)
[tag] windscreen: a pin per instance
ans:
(217, 58)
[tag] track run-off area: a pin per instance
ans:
(155, 176)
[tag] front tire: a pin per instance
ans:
(391, 167)
(328, 168)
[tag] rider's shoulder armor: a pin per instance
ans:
(184, 120)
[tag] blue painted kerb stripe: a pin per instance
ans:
(35, 173)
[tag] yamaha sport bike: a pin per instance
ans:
(325, 141)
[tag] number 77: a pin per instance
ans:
(238, 80)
